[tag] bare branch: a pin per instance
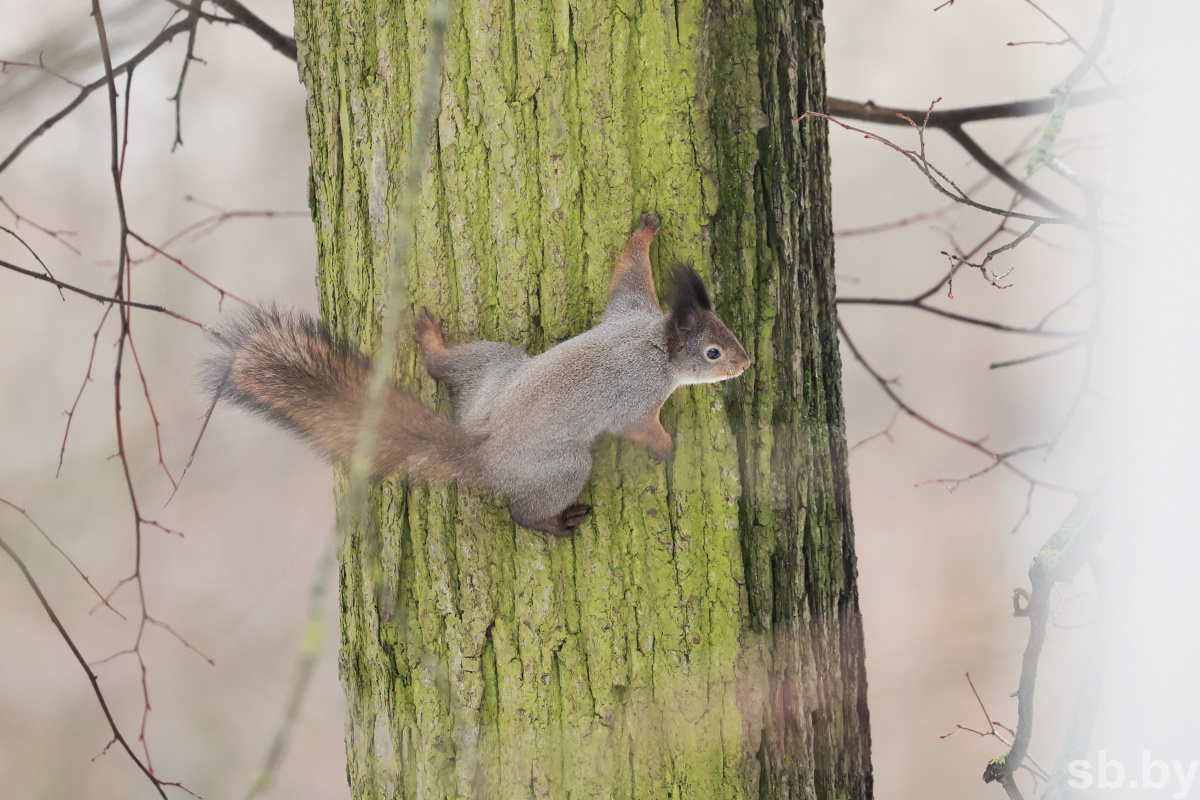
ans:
(1070, 300)
(1070, 38)
(952, 120)
(1036, 357)
(253, 23)
(956, 117)
(996, 459)
(1018, 44)
(936, 178)
(33, 253)
(204, 15)
(100, 298)
(192, 456)
(886, 433)
(995, 168)
(192, 8)
(39, 66)
(1043, 152)
(60, 551)
(993, 278)
(207, 225)
(157, 427)
(178, 262)
(1059, 559)
(983, 323)
(87, 378)
(164, 36)
(56, 235)
(91, 676)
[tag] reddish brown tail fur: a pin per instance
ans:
(284, 367)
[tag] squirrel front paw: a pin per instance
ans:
(651, 223)
(427, 329)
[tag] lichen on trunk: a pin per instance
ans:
(699, 636)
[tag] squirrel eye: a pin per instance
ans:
(713, 353)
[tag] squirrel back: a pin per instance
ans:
(284, 367)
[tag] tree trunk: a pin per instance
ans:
(699, 636)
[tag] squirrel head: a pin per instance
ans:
(701, 347)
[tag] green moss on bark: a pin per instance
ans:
(699, 636)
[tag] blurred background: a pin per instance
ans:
(937, 561)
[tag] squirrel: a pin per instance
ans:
(523, 425)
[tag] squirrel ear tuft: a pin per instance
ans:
(689, 299)
(688, 289)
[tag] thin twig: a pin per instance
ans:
(1033, 767)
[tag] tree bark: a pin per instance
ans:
(699, 636)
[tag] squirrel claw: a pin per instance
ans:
(651, 223)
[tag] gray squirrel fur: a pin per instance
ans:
(523, 425)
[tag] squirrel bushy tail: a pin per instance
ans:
(284, 367)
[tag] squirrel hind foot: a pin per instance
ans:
(427, 330)
(651, 223)
(561, 524)
(573, 515)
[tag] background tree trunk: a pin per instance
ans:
(699, 637)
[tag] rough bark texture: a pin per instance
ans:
(699, 637)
